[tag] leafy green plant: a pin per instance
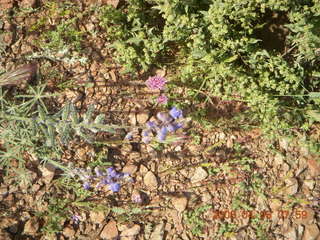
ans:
(54, 216)
(129, 214)
(227, 229)
(194, 220)
(221, 49)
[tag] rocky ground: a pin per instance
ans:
(218, 183)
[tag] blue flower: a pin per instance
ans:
(111, 172)
(129, 136)
(146, 140)
(106, 180)
(86, 185)
(172, 127)
(98, 172)
(164, 117)
(114, 187)
(175, 113)
(151, 124)
(162, 134)
(145, 133)
(75, 219)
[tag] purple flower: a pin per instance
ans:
(175, 113)
(75, 219)
(146, 140)
(106, 180)
(151, 124)
(156, 82)
(164, 117)
(111, 172)
(145, 133)
(136, 197)
(86, 185)
(163, 99)
(114, 187)
(162, 134)
(98, 172)
(172, 127)
(129, 136)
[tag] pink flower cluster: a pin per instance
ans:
(156, 82)
(162, 99)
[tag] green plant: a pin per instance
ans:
(129, 214)
(54, 216)
(261, 228)
(139, 44)
(227, 229)
(194, 220)
(221, 49)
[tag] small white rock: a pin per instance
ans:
(150, 180)
(142, 117)
(133, 231)
(199, 175)
(180, 203)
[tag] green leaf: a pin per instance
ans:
(316, 74)
(42, 114)
(231, 59)
(314, 114)
(66, 112)
(314, 94)
(134, 40)
(198, 53)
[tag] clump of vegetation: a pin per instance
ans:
(222, 48)
(194, 219)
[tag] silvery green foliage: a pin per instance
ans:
(66, 124)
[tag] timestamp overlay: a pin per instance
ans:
(242, 214)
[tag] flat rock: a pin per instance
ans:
(314, 167)
(130, 168)
(275, 204)
(4, 234)
(69, 232)
(304, 216)
(110, 231)
(132, 119)
(31, 226)
(27, 3)
(180, 203)
(158, 232)
(311, 232)
(142, 117)
(137, 197)
(199, 175)
(309, 183)
(278, 159)
(133, 231)
(291, 186)
(284, 143)
(291, 234)
(48, 172)
(97, 217)
(150, 180)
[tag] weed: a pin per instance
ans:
(195, 221)
(227, 229)
(54, 216)
(220, 51)
(129, 214)
(261, 228)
